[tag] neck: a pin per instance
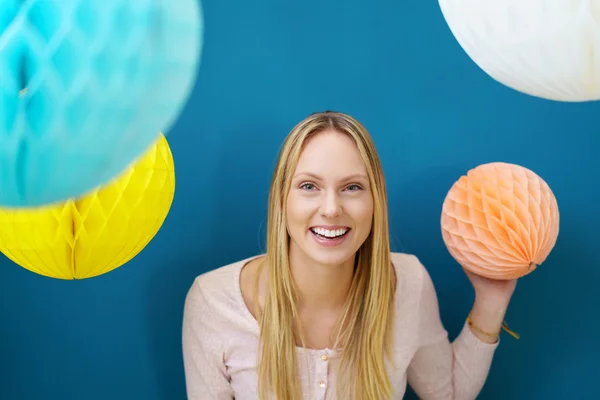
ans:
(320, 287)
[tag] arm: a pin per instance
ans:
(205, 372)
(441, 370)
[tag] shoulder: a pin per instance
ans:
(412, 277)
(222, 279)
(408, 267)
(217, 292)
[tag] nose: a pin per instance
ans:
(331, 205)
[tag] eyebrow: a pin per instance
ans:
(317, 177)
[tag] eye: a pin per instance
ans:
(353, 187)
(307, 186)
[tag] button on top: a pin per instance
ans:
(324, 357)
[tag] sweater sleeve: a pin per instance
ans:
(441, 370)
(205, 371)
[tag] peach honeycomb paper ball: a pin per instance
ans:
(500, 221)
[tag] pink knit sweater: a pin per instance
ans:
(220, 342)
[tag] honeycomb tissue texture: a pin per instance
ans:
(95, 234)
(500, 220)
(544, 48)
(85, 86)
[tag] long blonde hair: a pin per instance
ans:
(367, 338)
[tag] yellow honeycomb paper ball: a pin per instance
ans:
(96, 233)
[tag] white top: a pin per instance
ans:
(221, 337)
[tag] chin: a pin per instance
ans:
(332, 259)
(329, 256)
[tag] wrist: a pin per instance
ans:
(486, 319)
(491, 304)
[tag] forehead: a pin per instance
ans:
(330, 154)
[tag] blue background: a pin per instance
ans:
(433, 114)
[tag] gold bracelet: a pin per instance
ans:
(494, 335)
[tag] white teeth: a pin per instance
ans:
(330, 234)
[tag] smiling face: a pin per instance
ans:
(329, 207)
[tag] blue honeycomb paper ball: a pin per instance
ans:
(85, 88)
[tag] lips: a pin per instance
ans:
(330, 236)
(330, 233)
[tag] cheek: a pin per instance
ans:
(297, 213)
(362, 213)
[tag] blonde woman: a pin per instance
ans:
(329, 312)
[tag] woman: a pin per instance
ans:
(329, 312)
